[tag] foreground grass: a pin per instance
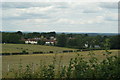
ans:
(15, 48)
(61, 59)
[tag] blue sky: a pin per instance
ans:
(101, 17)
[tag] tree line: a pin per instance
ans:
(79, 41)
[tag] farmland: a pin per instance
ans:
(38, 59)
(15, 48)
(13, 62)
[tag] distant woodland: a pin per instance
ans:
(71, 40)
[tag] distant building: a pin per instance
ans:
(97, 46)
(31, 41)
(86, 45)
(49, 43)
(37, 39)
(71, 38)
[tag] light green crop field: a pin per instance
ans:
(13, 48)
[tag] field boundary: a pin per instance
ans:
(49, 52)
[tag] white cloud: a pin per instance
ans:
(97, 19)
(36, 20)
(37, 9)
(59, 17)
(68, 21)
(92, 10)
(11, 12)
(111, 16)
(110, 5)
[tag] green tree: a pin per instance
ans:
(61, 40)
(19, 33)
(72, 43)
(11, 38)
(115, 42)
(80, 40)
(90, 41)
(107, 44)
(41, 42)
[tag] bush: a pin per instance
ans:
(24, 52)
(51, 52)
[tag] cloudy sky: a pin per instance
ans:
(60, 16)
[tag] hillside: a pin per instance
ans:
(14, 48)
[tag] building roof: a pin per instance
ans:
(30, 40)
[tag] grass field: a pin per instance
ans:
(37, 59)
(15, 48)
(13, 61)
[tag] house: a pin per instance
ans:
(86, 45)
(37, 39)
(97, 46)
(31, 41)
(49, 43)
(52, 38)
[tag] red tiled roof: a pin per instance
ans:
(30, 40)
(47, 40)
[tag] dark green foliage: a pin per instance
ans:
(69, 69)
(62, 40)
(10, 38)
(48, 72)
(62, 72)
(80, 39)
(24, 51)
(41, 42)
(72, 43)
(19, 33)
(115, 42)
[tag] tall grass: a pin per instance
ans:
(78, 67)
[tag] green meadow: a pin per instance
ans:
(11, 63)
(63, 59)
(16, 48)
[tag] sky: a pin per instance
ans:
(95, 17)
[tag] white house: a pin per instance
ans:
(52, 38)
(86, 45)
(97, 46)
(49, 43)
(31, 42)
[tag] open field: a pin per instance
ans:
(14, 61)
(16, 48)
(38, 59)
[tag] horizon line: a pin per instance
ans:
(61, 32)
